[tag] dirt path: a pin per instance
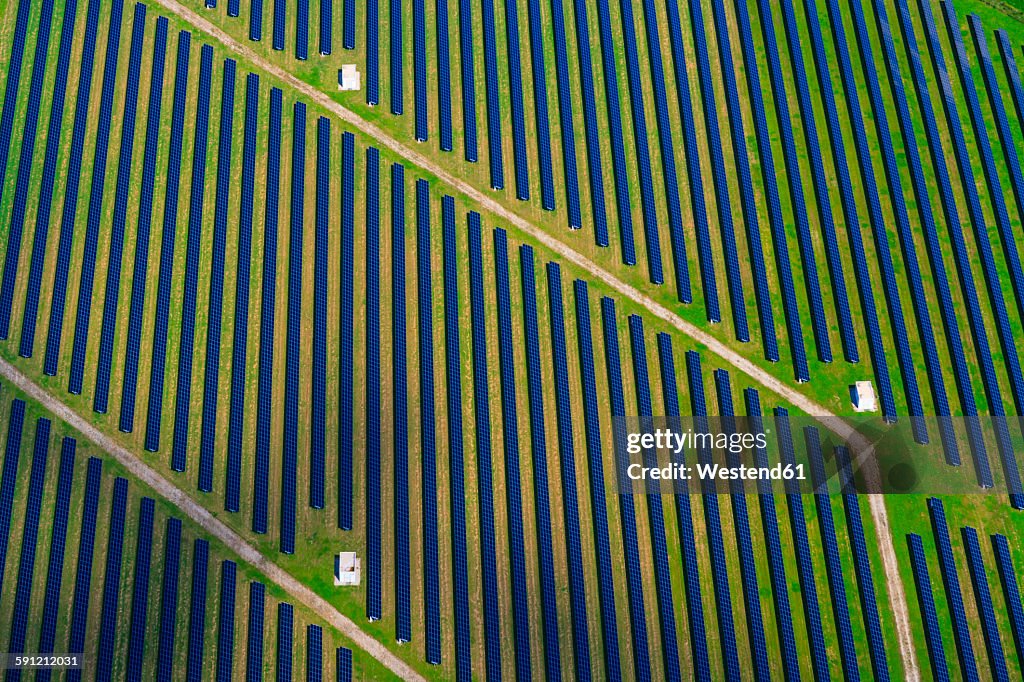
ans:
(737, 360)
(199, 514)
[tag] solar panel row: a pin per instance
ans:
(349, 24)
(83, 570)
(343, 664)
(268, 303)
(233, 8)
(983, 599)
(169, 600)
(951, 582)
(179, 447)
(256, 20)
(491, 85)
(568, 132)
(211, 387)
(285, 619)
(318, 432)
(326, 30)
(741, 527)
(655, 514)
(140, 268)
(346, 362)
(70, 206)
(538, 445)
(158, 360)
(482, 429)
(314, 653)
(627, 512)
(13, 81)
(1011, 590)
(280, 17)
(240, 340)
(400, 407)
(290, 450)
(684, 518)
(456, 464)
(9, 478)
(28, 147)
(112, 581)
(419, 67)
(515, 78)
(58, 541)
(718, 175)
(140, 590)
(425, 322)
(105, 119)
(540, 110)
(444, 80)
(926, 601)
(226, 622)
(595, 469)
(372, 54)
(395, 61)
(197, 616)
(713, 524)
(254, 645)
(374, 529)
(466, 66)
(302, 29)
(49, 177)
(510, 439)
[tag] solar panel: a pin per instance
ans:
(96, 191)
(326, 29)
(798, 530)
(719, 177)
(444, 76)
(9, 478)
(197, 617)
(684, 517)
(983, 597)
(515, 79)
(810, 129)
(713, 525)
(290, 451)
(495, 156)
(741, 526)
(1011, 590)
(540, 107)
(169, 600)
(864, 279)
(83, 570)
(314, 654)
(141, 263)
(71, 189)
(374, 552)
(318, 433)
(627, 513)
(140, 590)
(233, 8)
(226, 620)
(655, 514)
(951, 582)
(419, 66)
(240, 340)
(158, 362)
(400, 407)
(372, 53)
(49, 177)
(280, 16)
(772, 538)
(208, 437)
(571, 179)
(482, 429)
(343, 663)
(926, 601)
(112, 581)
(395, 58)
(29, 540)
(179, 448)
(58, 540)
(346, 361)
(254, 646)
(431, 577)
(510, 439)
(650, 217)
(538, 445)
(268, 297)
(466, 63)
(611, 94)
(349, 28)
(285, 618)
(456, 463)
(302, 29)
(13, 81)
(833, 566)
(28, 146)
(256, 20)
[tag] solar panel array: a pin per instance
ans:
(444, 75)
(466, 64)
(515, 77)
(372, 54)
(112, 581)
(343, 664)
(374, 541)
(9, 478)
(395, 60)
(83, 570)
(318, 431)
(314, 653)
(169, 600)
(926, 601)
(983, 599)
(346, 361)
(494, 152)
(302, 29)
(1011, 589)
(403, 608)
(285, 621)
(254, 646)
(197, 616)
(572, 185)
(419, 63)
(140, 591)
(58, 542)
(226, 621)
(11, 88)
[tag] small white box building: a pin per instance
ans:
(346, 569)
(348, 77)
(862, 394)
